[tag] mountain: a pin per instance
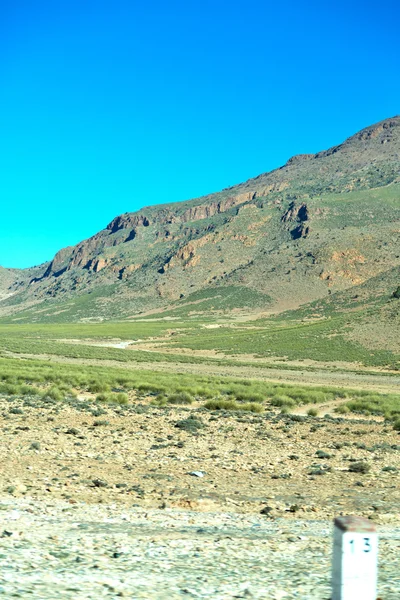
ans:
(321, 224)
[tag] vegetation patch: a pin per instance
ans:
(192, 424)
(222, 404)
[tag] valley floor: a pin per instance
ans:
(174, 473)
(372, 380)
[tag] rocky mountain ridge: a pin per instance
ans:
(293, 235)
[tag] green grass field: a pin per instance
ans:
(319, 341)
(59, 381)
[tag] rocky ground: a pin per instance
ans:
(141, 501)
(53, 549)
(192, 458)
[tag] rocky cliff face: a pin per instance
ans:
(292, 234)
(297, 214)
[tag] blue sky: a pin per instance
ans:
(109, 106)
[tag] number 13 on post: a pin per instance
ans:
(355, 555)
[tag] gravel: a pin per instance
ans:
(59, 549)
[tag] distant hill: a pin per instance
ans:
(321, 224)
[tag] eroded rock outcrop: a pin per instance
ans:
(205, 211)
(297, 214)
(128, 221)
(187, 255)
(96, 265)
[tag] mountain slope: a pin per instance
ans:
(319, 224)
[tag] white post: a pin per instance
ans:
(355, 555)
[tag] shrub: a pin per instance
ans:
(312, 412)
(10, 389)
(28, 390)
(390, 469)
(360, 467)
(297, 418)
(222, 404)
(315, 397)
(98, 386)
(254, 407)
(151, 387)
(323, 454)
(249, 397)
(192, 424)
(319, 470)
(97, 412)
(180, 398)
(120, 398)
(160, 400)
(54, 393)
(103, 397)
(203, 392)
(342, 409)
(282, 400)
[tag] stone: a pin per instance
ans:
(196, 473)
(100, 483)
